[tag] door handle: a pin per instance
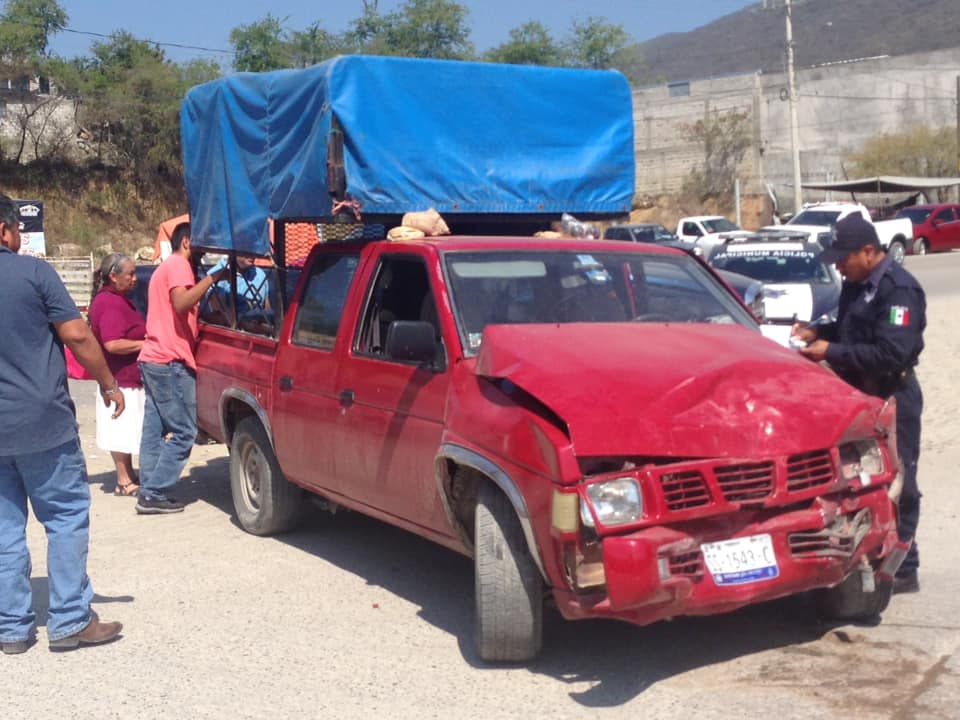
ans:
(346, 398)
(286, 383)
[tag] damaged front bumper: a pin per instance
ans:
(719, 564)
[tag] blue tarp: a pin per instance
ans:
(462, 137)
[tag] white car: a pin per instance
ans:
(797, 286)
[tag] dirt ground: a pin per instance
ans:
(351, 618)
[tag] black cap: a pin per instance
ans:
(851, 234)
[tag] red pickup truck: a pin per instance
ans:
(596, 424)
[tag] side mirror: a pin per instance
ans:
(411, 341)
(937, 221)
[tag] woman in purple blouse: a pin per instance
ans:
(120, 328)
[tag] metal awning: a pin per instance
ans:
(885, 184)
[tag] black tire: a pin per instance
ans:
(898, 250)
(921, 246)
(508, 586)
(848, 601)
(265, 502)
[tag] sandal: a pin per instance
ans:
(129, 489)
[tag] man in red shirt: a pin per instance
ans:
(168, 369)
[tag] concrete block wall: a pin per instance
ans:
(841, 106)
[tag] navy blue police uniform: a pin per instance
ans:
(875, 345)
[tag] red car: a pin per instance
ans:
(596, 423)
(936, 228)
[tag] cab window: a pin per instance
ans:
(321, 308)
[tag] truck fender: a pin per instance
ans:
(236, 394)
(469, 458)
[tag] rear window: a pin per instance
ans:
(915, 215)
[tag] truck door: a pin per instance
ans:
(306, 406)
(392, 412)
(947, 228)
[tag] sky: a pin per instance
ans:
(207, 23)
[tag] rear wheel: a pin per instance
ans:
(921, 246)
(850, 601)
(508, 586)
(898, 251)
(266, 503)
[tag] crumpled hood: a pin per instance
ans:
(679, 390)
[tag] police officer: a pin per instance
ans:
(874, 345)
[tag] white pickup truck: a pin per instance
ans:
(819, 219)
(704, 233)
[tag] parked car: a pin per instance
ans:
(705, 232)
(936, 228)
(797, 286)
(640, 232)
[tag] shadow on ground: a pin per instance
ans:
(40, 588)
(617, 661)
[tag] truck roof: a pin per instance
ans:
(462, 137)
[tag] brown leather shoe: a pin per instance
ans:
(95, 633)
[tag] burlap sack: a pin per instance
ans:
(402, 232)
(429, 221)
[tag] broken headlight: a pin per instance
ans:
(860, 459)
(615, 502)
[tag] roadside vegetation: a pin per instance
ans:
(100, 142)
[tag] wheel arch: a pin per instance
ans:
(237, 404)
(457, 501)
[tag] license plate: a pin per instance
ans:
(742, 560)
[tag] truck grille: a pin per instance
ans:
(703, 483)
(684, 490)
(689, 565)
(809, 469)
(746, 481)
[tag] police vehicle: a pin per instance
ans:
(797, 286)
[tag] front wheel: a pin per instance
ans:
(266, 503)
(850, 601)
(921, 246)
(898, 251)
(508, 586)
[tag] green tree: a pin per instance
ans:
(529, 44)
(26, 27)
(427, 29)
(725, 138)
(262, 45)
(595, 43)
(128, 102)
(313, 45)
(920, 151)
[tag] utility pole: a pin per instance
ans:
(794, 124)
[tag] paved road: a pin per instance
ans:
(351, 618)
(939, 274)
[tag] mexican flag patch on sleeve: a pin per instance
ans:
(899, 315)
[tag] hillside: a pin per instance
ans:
(824, 31)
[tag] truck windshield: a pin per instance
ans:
(718, 225)
(916, 215)
(815, 217)
(553, 286)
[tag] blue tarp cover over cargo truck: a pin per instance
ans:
(461, 137)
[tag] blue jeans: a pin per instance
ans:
(169, 426)
(55, 481)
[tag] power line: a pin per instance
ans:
(111, 36)
(152, 42)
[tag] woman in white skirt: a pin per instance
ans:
(120, 328)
